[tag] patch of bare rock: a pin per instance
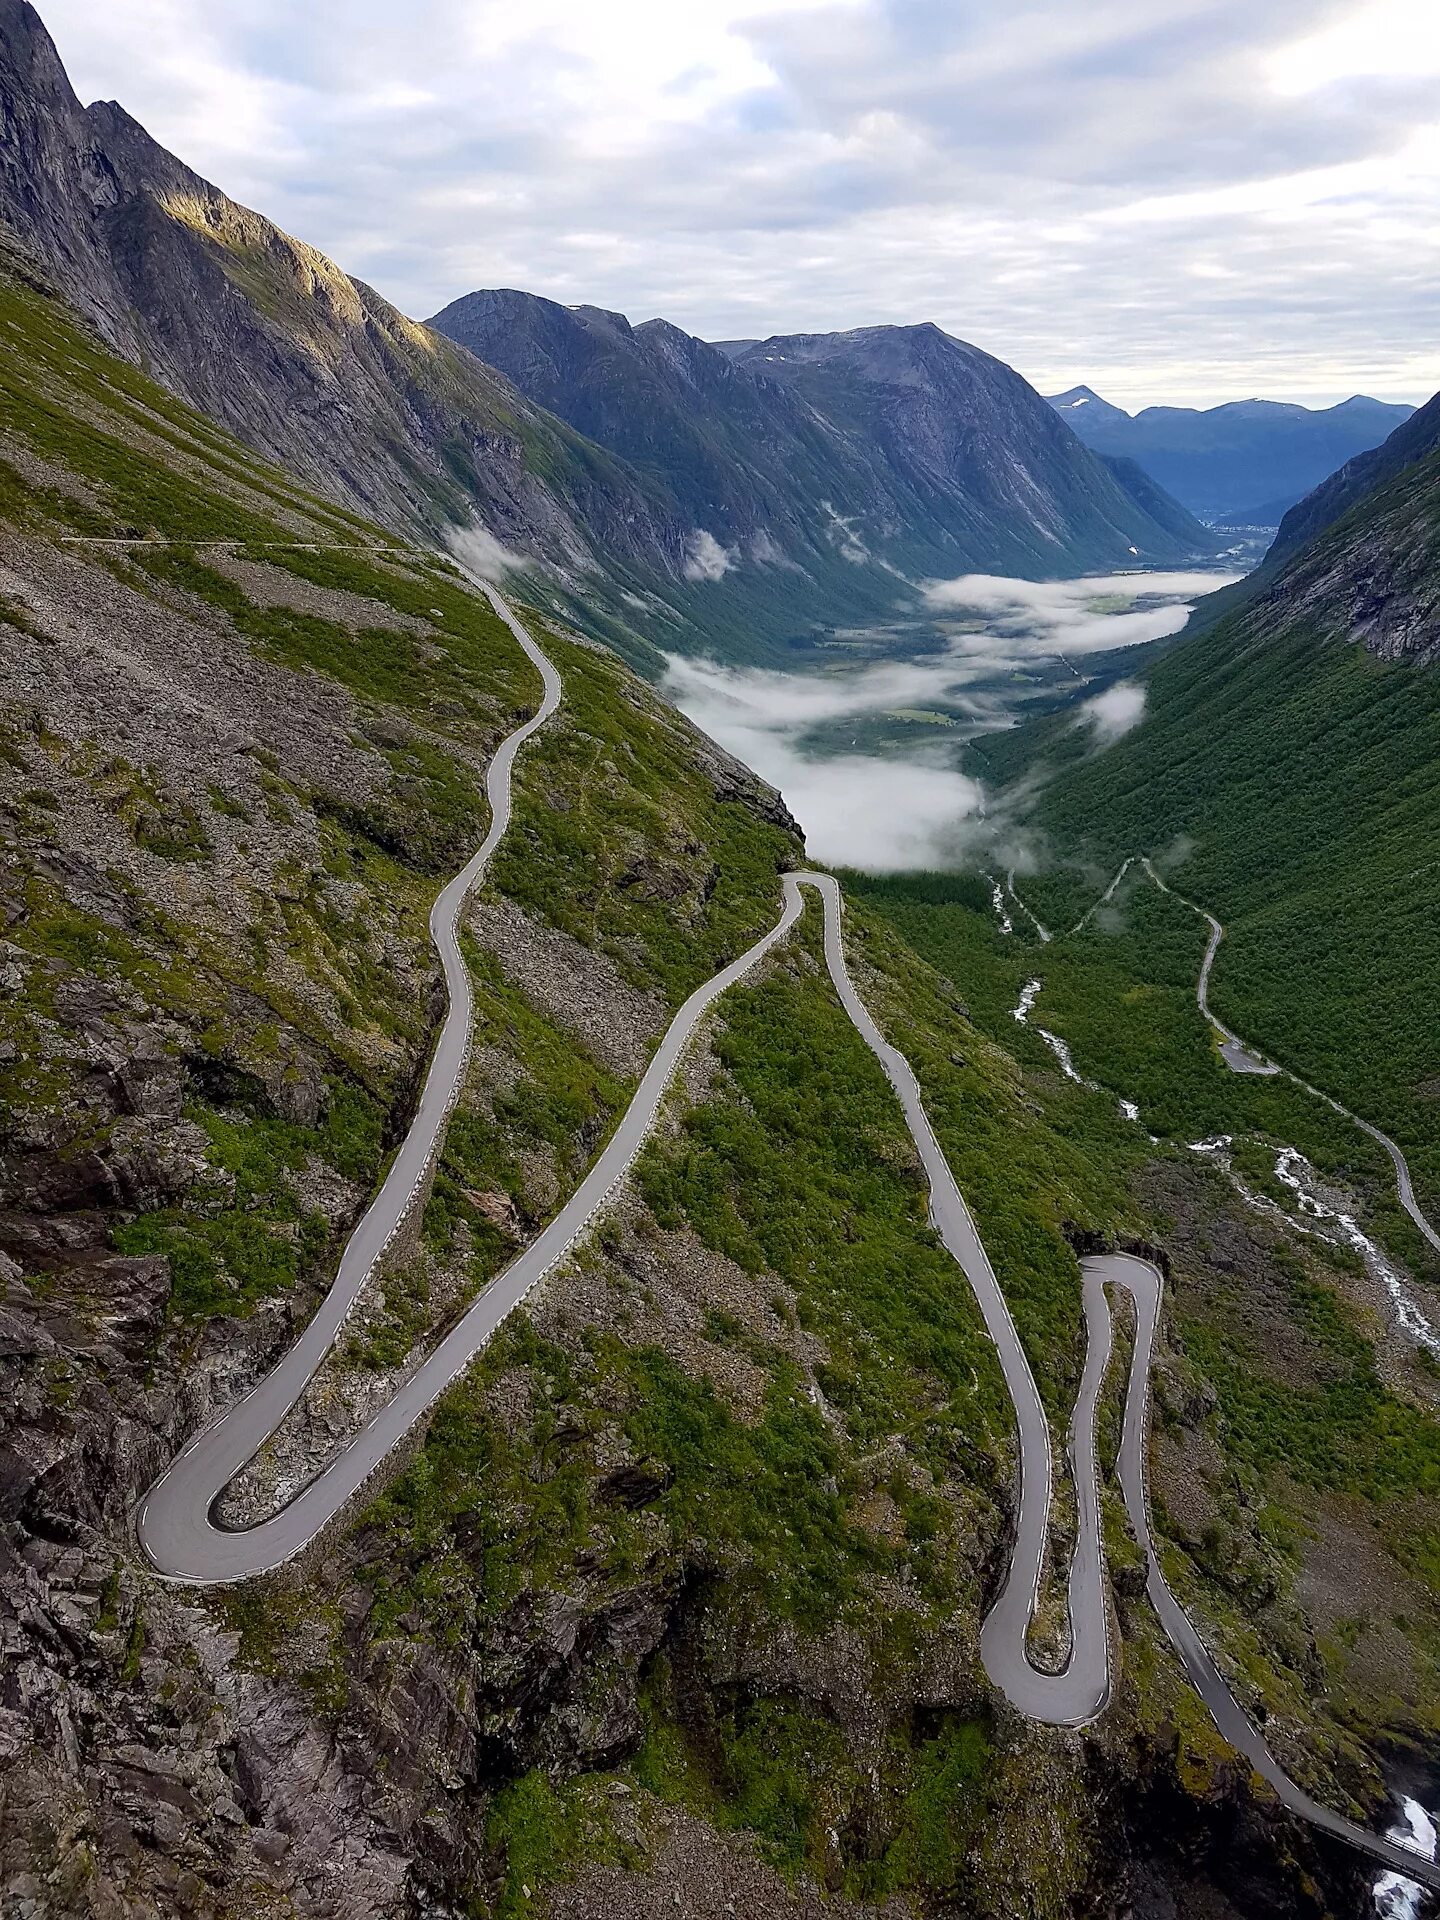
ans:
(580, 989)
(271, 586)
(697, 1874)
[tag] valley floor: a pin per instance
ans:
(679, 1588)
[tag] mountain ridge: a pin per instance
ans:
(271, 339)
(1228, 461)
(318, 371)
(1412, 440)
(907, 447)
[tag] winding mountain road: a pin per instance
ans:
(175, 1523)
(1143, 1283)
(173, 1520)
(1244, 1059)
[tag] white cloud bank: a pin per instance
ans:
(1076, 616)
(856, 810)
(479, 552)
(1114, 712)
(913, 808)
(706, 559)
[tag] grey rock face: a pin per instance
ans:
(891, 443)
(270, 338)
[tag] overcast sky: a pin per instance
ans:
(1184, 200)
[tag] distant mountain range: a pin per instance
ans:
(1241, 464)
(673, 495)
(892, 447)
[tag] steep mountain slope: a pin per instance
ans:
(979, 468)
(1163, 508)
(676, 1596)
(1235, 461)
(1291, 748)
(272, 340)
(748, 453)
(1411, 441)
(737, 456)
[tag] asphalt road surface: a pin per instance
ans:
(1245, 1060)
(175, 1519)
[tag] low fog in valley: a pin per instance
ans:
(911, 806)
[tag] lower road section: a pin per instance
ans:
(1245, 1060)
(175, 1520)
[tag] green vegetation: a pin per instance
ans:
(765, 1496)
(564, 1100)
(1341, 1429)
(450, 679)
(779, 1767)
(486, 1514)
(405, 1315)
(245, 1235)
(269, 1616)
(1122, 994)
(800, 1166)
(538, 1833)
(1274, 1347)
(56, 382)
(942, 1809)
(779, 1770)
(1294, 778)
(620, 837)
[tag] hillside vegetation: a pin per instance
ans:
(1287, 771)
(1319, 1433)
(680, 1587)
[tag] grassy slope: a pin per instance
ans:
(873, 1512)
(621, 841)
(1320, 1423)
(1297, 777)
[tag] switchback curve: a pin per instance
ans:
(175, 1520)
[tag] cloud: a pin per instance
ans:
(1190, 200)
(1114, 712)
(479, 552)
(1072, 616)
(857, 810)
(706, 558)
(842, 535)
(882, 815)
(913, 806)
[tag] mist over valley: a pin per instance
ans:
(867, 749)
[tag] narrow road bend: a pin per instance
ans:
(175, 1521)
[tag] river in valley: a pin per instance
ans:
(1396, 1896)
